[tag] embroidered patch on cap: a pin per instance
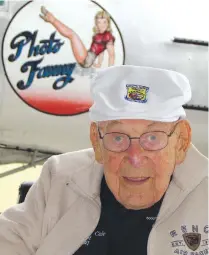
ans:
(136, 93)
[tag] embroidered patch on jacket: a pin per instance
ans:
(191, 237)
(136, 93)
(192, 240)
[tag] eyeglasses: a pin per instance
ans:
(149, 141)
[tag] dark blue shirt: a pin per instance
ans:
(120, 231)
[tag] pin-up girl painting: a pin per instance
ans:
(103, 39)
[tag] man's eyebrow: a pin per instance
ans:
(116, 122)
(113, 123)
(157, 125)
(153, 123)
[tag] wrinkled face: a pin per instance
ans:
(138, 178)
(102, 24)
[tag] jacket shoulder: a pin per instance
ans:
(67, 164)
(194, 169)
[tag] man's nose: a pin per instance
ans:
(136, 155)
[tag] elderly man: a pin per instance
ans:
(141, 190)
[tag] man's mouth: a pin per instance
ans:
(136, 180)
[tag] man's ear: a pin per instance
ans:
(95, 142)
(184, 140)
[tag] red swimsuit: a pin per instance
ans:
(100, 42)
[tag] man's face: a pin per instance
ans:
(138, 178)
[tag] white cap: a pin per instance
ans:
(134, 92)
